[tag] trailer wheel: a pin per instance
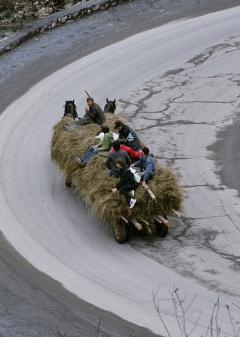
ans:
(162, 229)
(120, 232)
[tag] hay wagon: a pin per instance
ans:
(149, 216)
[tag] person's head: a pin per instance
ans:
(116, 146)
(90, 101)
(105, 128)
(118, 125)
(145, 151)
(120, 164)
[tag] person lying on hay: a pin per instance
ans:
(127, 184)
(94, 114)
(105, 145)
(133, 154)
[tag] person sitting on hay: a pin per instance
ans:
(133, 154)
(127, 184)
(127, 136)
(146, 166)
(94, 114)
(105, 145)
(116, 154)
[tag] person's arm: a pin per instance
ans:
(123, 135)
(119, 184)
(138, 163)
(88, 112)
(98, 113)
(94, 112)
(128, 160)
(98, 109)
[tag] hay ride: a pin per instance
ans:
(149, 216)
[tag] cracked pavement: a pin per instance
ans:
(179, 115)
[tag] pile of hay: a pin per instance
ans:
(94, 185)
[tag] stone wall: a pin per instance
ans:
(58, 19)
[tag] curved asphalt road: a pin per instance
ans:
(32, 195)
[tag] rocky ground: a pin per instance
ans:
(15, 15)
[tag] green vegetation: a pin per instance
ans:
(15, 14)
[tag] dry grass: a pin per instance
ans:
(94, 185)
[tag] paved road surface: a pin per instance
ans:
(28, 301)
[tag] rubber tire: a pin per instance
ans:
(162, 230)
(120, 232)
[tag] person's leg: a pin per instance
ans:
(89, 154)
(145, 179)
(125, 190)
(71, 126)
(83, 120)
(127, 197)
(132, 193)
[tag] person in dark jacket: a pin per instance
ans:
(94, 114)
(127, 184)
(114, 156)
(127, 135)
(146, 165)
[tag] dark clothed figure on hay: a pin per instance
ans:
(127, 184)
(127, 136)
(94, 114)
(115, 155)
(146, 165)
(105, 145)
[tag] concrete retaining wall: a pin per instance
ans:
(57, 19)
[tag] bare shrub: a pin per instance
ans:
(182, 308)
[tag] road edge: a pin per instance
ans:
(57, 19)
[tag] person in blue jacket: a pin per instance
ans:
(146, 165)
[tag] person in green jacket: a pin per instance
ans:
(105, 145)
